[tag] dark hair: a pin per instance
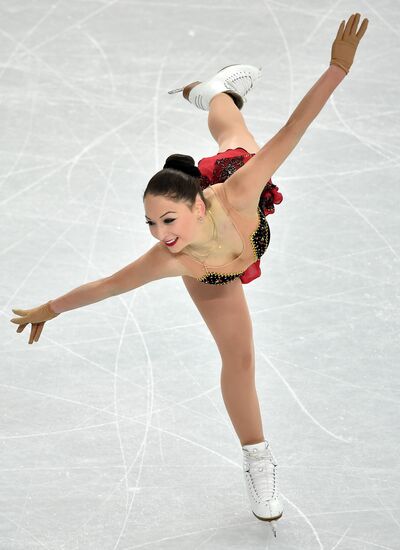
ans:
(179, 180)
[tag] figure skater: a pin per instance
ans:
(211, 225)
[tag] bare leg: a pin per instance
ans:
(241, 401)
(225, 311)
(227, 125)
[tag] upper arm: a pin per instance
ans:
(156, 263)
(245, 186)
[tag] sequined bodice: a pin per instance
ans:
(256, 241)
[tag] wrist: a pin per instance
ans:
(52, 307)
(338, 70)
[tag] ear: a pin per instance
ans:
(200, 206)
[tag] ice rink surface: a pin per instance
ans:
(114, 433)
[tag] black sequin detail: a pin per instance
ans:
(261, 237)
(225, 167)
(214, 278)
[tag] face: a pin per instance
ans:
(169, 220)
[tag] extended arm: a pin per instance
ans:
(245, 186)
(156, 263)
(81, 296)
(312, 103)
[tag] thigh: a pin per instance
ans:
(245, 142)
(226, 314)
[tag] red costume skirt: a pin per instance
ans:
(218, 168)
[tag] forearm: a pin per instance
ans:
(315, 99)
(83, 295)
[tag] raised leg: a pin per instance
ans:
(227, 125)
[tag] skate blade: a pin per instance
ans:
(272, 522)
(176, 91)
(273, 527)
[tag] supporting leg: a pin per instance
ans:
(225, 311)
(227, 125)
(241, 401)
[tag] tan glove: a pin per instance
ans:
(37, 316)
(346, 42)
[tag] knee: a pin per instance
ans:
(239, 361)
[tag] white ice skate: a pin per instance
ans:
(259, 466)
(236, 80)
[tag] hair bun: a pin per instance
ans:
(184, 163)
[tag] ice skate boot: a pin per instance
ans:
(235, 80)
(259, 466)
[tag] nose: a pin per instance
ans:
(162, 233)
(163, 236)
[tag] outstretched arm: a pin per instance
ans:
(312, 103)
(156, 263)
(245, 186)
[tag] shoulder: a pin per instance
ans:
(168, 263)
(154, 264)
(246, 204)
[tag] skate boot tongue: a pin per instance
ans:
(256, 447)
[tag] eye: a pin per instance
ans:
(168, 220)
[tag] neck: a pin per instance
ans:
(206, 239)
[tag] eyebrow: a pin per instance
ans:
(169, 212)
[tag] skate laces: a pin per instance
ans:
(241, 82)
(261, 468)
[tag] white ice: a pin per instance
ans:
(114, 434)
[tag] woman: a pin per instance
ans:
(211, 224)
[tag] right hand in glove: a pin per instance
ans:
(345, 44)
(37, 316)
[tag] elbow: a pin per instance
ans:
(295, 127)
(110, 287)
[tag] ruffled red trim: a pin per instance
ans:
(270, 195)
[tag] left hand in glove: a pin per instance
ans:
(346, 42)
